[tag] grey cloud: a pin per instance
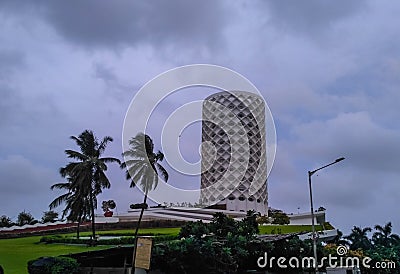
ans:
(22, 178)
(9, 103)
(10, 61)
(114, 86)
(368, 146)
(310, 17)
(130, 23)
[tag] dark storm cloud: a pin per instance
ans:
(128, 23)
(311, 16)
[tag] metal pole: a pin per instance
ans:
(314, 236)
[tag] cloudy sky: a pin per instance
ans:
(329, 71)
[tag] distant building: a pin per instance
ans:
(234, 160)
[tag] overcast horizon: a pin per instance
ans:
(329, 72)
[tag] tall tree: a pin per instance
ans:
(87, 174)
(384, 237)
(359, 238)
(143, 168)
(77, 207)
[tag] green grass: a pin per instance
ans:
(282, 229)
(15, 253)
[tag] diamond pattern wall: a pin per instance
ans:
(234, 164)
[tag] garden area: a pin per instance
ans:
(15, 253)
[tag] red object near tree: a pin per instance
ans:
(108, 214)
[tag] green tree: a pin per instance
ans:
(5, 221)
(77, 206)
(143, 168)
(279, 217)
(359, 238)
(87, 175)
(49, 216)
(248, 227)
(384, 237)
(25, 218)
(107, 205)
(339, 239)
(221, 225)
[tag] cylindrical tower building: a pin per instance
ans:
(234, 164)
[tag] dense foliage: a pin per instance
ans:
(53, 265)
(49, 216)
(107, 205)
(222, 246)
(5, 221)
(278, 217)
(25, 218)
(383, 248)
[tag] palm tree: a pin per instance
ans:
(77, 207)
(142, 167)
(359, 239)
(339, 239)
(87, 173)
(384, 237)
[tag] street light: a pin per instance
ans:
(314, 236)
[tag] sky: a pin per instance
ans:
(329, 72)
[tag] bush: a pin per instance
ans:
(51, 239)
(53, 265)
(117, 241)
(139, 206)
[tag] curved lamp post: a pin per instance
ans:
(314, 236)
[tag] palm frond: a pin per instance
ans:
(103, 144)
(110, 160)
(76, 155)
(59, 200)
(66, 185)
(163, 172)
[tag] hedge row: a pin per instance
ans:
(117, 241)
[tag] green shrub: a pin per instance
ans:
(117, 241)
(53, 265)
(51, 239)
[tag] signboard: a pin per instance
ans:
(143, 252)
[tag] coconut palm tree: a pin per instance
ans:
(143, 168)
(77, 207)
(384, 237)
(359, 239)
(87, 174)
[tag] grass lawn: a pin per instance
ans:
(15, 253)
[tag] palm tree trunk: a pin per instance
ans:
(93, 219)
(78, 225)
(136, 232)
(77, 229)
